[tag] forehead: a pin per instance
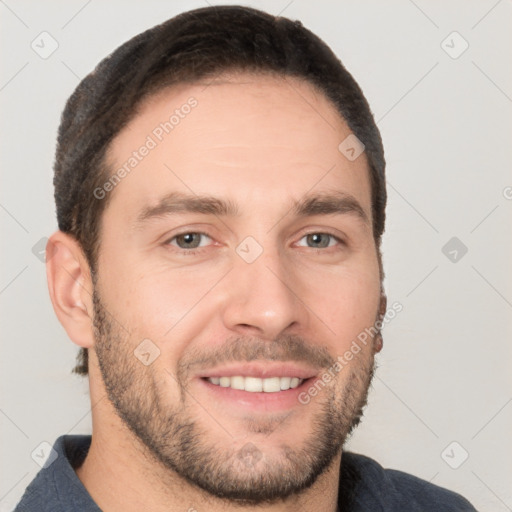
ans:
(245, 136)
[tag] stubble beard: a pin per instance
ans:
(250, 475)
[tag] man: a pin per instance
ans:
(220, 194)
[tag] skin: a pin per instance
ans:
(262, 143)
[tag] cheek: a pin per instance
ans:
(158, 303)
(347, 303)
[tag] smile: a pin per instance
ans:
(257, 385)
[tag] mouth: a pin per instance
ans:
(258, 386)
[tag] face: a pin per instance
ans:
(237, 264)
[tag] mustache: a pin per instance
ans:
(245, 349)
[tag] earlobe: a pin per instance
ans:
(70, 287)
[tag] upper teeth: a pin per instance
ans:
(255, 385)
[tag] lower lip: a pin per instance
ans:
(260, 401)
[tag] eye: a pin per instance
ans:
(188, 240)
(320, 240)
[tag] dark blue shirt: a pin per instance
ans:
(365, 486)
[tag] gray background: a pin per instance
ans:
(447, 129)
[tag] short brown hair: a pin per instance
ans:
(192, 46)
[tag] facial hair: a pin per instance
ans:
(251, 475)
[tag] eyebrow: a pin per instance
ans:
(326, 203)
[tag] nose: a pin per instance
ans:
(262, 298)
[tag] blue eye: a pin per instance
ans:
(321, 240)
(187, 241)
(191, 242)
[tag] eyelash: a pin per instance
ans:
(200, 250)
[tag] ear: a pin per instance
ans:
(383, 305)
(379, 341)
(70, 287)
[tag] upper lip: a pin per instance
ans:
(261, 369)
